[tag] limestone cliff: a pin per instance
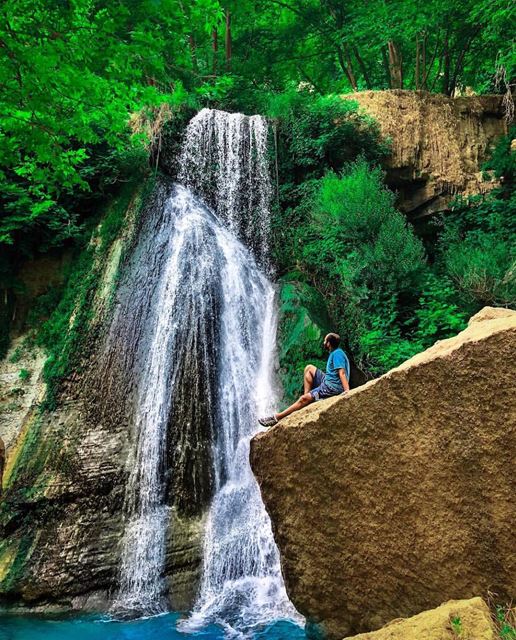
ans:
(438, 144)
(400, 495)
(61, 513)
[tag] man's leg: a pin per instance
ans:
(308, 380)
(303, 401)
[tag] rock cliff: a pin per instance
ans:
(400, 495)
(438, 144)
(66, 468)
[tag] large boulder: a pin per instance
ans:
(466, 619)
(400, 495)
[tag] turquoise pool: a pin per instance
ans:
(95, 628)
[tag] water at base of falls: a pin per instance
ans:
(164, 627)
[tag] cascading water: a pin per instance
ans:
(224, 161)
(201, 311)
(185, 307)
(241, 585)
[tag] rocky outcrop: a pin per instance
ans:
(466, 619)
(62, 512)
(400, 495)
(21, 386)
(438, 144)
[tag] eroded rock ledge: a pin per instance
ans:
(400, 496)
(455, 619)
(439, 144)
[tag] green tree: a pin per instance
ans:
(71, 75)
(337, 46)
(367, 262)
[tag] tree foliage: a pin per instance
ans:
(337, 46)
(71, 75)
(73, 71)
(87, 84)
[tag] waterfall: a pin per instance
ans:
(224, 161)
(181, 264)
(197, 302)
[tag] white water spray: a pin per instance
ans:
(200, 300)
(241, 586)
(224, 161)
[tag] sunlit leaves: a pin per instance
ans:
(71, 75)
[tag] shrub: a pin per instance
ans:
(366, 260)
(477, 251)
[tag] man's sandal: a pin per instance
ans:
(268, 422)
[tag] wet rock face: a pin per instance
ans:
(61, 517)
(62, 522)
(120, 363)
(2, 462)
(66, 471)
(400, 495)
(438, 144)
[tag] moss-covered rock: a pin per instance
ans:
(303, 323)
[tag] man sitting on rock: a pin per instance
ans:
(319, 385)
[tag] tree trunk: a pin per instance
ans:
(418, 55)
(363, 68)
(459, 64)
(446, 66)
(385, 60)
(426, 71)
(347, 68)
(423, 63)
(193, 52)
(228, 40)
(215, 46)
(395, 66)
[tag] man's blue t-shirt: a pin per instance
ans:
(336, 360)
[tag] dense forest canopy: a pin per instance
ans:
(73, 71)
(87, 85)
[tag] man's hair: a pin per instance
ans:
(333, 339)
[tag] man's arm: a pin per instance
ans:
(343, 379)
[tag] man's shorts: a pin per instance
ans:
(321, 390)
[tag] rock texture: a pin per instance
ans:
(466, 619)
(64, 479)
(66, 470)
(438, 144)
(21, 386)
(2, 462)
(400, 495)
